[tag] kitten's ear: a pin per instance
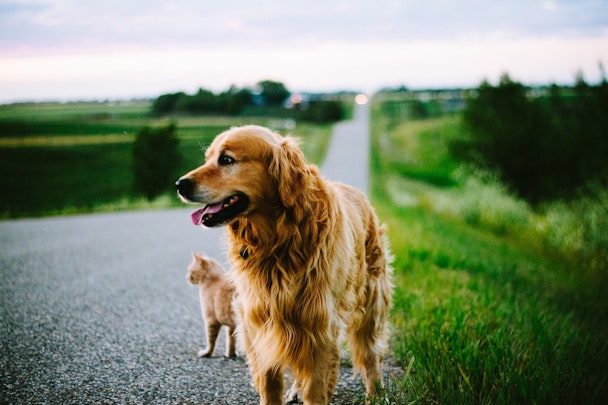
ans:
(198, 257)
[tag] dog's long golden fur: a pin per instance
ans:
(310, 262)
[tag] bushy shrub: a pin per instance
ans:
(324, 111)
(155, 159)
(485, 202)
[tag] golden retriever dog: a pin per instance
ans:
(310, 262)
(216, 293)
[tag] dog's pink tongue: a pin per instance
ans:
(197, 216)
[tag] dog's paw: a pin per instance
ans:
(204, 353)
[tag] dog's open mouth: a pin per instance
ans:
(220, 213)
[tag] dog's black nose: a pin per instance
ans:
(185, 187)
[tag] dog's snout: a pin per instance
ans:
(185, 187)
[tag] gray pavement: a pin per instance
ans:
(347, 159)
(96, 309)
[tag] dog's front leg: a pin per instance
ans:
(318, 377)
(270, 386)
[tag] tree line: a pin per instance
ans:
(544, 146)
(267, 98)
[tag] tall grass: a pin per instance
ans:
(579, 228)
(486, 307)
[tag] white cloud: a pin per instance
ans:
(549, 5)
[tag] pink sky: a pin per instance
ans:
(68, 49)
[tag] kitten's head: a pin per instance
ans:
(198, 269)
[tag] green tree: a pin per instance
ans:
(543, 147)
(234, 100)
(505, 128)
(273, 93)
(203, 101)
(167, 103)
(155, 159)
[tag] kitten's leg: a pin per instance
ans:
(213, 330)
(231, 342)
(293, 395)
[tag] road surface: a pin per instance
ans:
(347, 158)
(96, 308)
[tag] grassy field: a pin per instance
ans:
(74, 158)
(485, 310)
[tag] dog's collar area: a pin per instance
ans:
(244, 253)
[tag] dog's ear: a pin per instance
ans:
(288, 168)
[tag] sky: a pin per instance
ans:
(120, 49)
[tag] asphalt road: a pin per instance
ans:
(96, 308)
(347, 159)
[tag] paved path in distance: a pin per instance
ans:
(96, 308)
(347, 158)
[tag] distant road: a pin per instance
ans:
(96, 309)
(347, 158)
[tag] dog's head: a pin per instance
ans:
(247, 170)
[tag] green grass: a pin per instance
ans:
(74, 158)
(481, 313)
(418, 150)
(489, 322)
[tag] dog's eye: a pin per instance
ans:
(225, 160)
